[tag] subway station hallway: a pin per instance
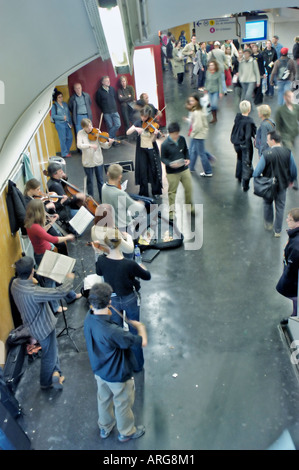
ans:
(217, 374)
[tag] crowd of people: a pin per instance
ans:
(116, 352)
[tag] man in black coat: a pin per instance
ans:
(106, 99)
(288, 283)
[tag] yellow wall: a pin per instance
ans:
(10, 251)
(65, 91)
(176, 31)
(10, 246)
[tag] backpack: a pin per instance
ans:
(283, 71)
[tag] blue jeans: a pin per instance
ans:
(129, 304)
(49, 359)
(214, 98)
(78, 121)
(279, 203)
(283, 86)
(270, 88)
(224, 87)
(202, 77)
(98, 171)
(65, 137)
(112, 121)
(197, 147)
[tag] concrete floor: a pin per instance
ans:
(217, 372)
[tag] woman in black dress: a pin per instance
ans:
(148, 168)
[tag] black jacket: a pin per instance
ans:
(171, 152)
(16, 208)
(279, 159)
(106, 100)
(243, 130)
(288, 283)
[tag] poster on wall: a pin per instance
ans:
(219, 29)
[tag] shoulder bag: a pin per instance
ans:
(265, 187)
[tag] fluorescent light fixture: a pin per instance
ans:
(115, 36)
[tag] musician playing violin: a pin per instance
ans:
(147, 159)
(89, 142)
(66, 207)
(32, 191)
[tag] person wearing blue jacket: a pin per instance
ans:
(61, 117)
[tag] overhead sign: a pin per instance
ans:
(220, 29)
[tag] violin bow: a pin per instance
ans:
(155, 118)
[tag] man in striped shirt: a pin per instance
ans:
(32, 302)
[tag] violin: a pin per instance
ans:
(99, 246)
(48, 197)
(96, 134)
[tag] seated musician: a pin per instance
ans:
(124, 206)
(105, 220)
(32, 191)
(66, 207)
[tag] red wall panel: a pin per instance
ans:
(90, 75)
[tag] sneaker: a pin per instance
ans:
(104, 434)
(276, 235)
(268, 226)
(206, 174)
(57, 381)
(67, 156)
(140, 430)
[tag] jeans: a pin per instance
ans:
(214, 98)
(112, 121)
(65, 137)
(78, 121)
(98, 171)
(129, 304)
(201, 77)
(224, 87)
(49, 359)
(244, 168)
(270, 88)
(247, 91)
(283, 86)
(115, 402)
(197, 147)
(279, 203)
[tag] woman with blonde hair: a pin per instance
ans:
(104, 222)
(123, 276)
(35, 224)
(266, 126)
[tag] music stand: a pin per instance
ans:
(65, 330)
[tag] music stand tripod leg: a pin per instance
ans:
(65, 330)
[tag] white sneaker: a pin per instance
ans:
(206, 174)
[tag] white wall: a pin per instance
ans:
(42, 42)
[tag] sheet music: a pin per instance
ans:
(81, 220)
(56, 266)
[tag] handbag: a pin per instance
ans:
(266, 187)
